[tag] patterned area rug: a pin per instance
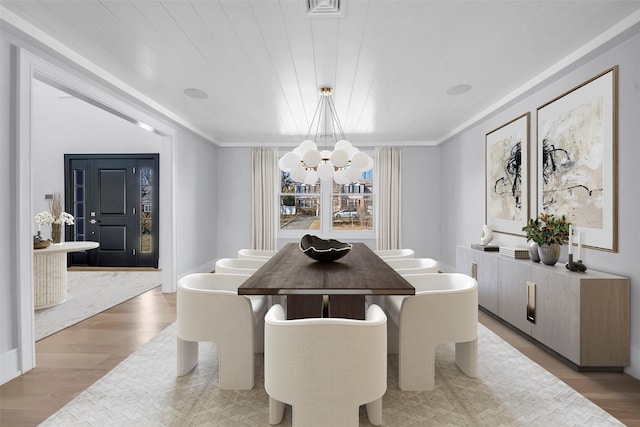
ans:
(91, 292)
(511, 390)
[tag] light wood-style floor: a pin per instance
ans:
(70, 361)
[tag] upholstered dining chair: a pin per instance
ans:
(443, 310)
(395, 253)
(413, 265)
(210, 309)
(325, 368)
(256, 253)
(238, 266)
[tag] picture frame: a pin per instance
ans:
(507, 176)
(577, 159)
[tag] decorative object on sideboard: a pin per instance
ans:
(572, 265)
(549, 232)
(56, 218)
(39, 242)
(323, 250)
(487, 235)
(533, 251)
(306, 163)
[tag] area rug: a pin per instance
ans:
(511, 390)
(92, 292)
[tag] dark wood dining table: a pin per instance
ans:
(346, 281)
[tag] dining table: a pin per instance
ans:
(346, 282)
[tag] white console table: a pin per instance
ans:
(50, 272)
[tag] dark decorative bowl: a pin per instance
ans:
(323, 250)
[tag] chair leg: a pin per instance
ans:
(417, 368)
(187, 356)
(276, 411)
(467, 357)
(374, 412)
(258, 341)
(235, 366)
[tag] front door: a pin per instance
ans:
(114, 199)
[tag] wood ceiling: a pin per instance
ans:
(390, 62)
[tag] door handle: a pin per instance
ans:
(93, 221)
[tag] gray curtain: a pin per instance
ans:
(388, 197)
(264, 187)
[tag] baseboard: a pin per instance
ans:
(9, 366)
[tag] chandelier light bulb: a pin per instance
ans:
(298, 173)
(339, 158)
(282, 166)
(325, 171)
(352, 173)
(307, 145)
(343, 144)
(339, 177)
(359, 160)
(311, 158)
(311, 178)
(291, 160)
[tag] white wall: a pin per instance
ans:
(463, 173)
(197, 203)
(233, 214)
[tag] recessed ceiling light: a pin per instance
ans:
(196, 93)
(458, 89)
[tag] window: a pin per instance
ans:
(326, 207)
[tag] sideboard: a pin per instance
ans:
(581, 316)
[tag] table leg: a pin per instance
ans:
(347, 306)
(303, 306)
(49, 279)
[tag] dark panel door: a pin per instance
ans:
(112, 211)
(114, 199)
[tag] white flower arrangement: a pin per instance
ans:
(46, 218)
(56, 216)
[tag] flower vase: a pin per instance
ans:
(549, 254)
(56, 233)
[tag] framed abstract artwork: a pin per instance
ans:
(507, 176)
(577, 159)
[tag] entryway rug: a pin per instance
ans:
(511, 390)
(92, 292)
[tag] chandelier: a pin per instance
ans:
(306, 163)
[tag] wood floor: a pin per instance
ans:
(70, 361)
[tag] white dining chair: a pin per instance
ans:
(256, 253)
(443, 310)
(395, 253)
(238, 266)
(210, 309)
(325, 368)
(413, 265)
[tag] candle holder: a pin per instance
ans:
(575, 265)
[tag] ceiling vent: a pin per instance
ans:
(325, 8)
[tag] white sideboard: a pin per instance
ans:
(581, 316)
(50, 272)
